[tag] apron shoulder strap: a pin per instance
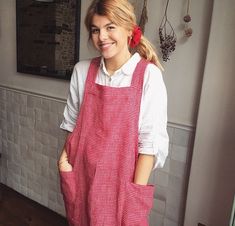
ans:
(138, 74)
(93, 68)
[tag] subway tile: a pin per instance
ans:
(45, 105)
(60, 210)
(3, 115)
(57, 107)
(13, 184)
(53, 164)
(52, 186)
(23, 189)
(49, 140)
(159, 206)
(168, 222)
(44, 199)
(34, 102)
(51, 205)
(9, 95)
(12, 176)
(23, 110)
(174, 200)
(26, 133)
(50, 152)
(23, 182)
(20, 98)
(177, 168)
(161, 178)
(3, 105)
(156, 219)
(60, 200)
(13, 108)
(172, 213)
(36, 187)
(176, 185)
(166, 167)
(4, 175)
(179, 153)
(169, 150)
(151, 179)
(181, 137)
(24, 121)
(38, 147)
(2, 94)
(3, 125)
(31, 113)
(52, 174)
(160, 192)
(170, 131)
(50, 118)
(38, 168)
(34, 196)
(52, 196)
(14, 168)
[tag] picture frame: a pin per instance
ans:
(48, 37)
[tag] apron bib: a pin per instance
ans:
(103, 150)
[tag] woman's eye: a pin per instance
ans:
(94, 31)
(109, 28)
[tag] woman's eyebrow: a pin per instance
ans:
(106, 25)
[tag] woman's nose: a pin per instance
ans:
(103, 35)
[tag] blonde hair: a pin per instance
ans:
(121, 12)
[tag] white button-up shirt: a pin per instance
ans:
(153, 137)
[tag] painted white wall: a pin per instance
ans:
(183, 74)
(212, 178)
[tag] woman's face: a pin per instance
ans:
(109, 39)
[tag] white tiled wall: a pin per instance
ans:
(31, 141)
(171, 180)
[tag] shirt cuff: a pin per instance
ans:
(160, 153)
(66, 126)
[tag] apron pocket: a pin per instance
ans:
(67, 182)
(138, 203)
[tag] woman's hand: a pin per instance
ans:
(63, 163)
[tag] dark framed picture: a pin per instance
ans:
(48, 34)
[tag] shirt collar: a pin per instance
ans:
(127, 69)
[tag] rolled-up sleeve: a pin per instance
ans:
(153, 136)
(72, 107)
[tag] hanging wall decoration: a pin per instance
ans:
(188, 31)
(143, 17)
(167, 36)
(48, 33)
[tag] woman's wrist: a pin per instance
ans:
(143, 169)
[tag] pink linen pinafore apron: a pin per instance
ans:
(103, 150)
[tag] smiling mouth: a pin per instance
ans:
(104, 46)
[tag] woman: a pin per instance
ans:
(116, 115)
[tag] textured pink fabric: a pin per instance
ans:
(103, 150)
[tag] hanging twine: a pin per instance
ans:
(144, 17)
(188, 31)
(167, 36)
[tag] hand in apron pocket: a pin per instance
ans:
(138, 203)
(68, 189)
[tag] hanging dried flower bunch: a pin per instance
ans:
(143, 17)
(167, 36)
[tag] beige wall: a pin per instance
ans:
(212, 178)
(183, 73)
